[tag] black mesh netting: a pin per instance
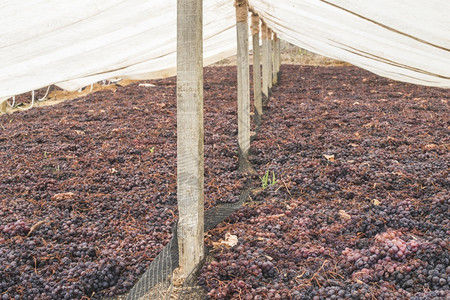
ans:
(158, 282)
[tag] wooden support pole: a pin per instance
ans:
(190, 145)
(3, 107)
(256, 69)
(279, 60)
(276, 58)
(265, 61)
(243, 85)
(270, 60)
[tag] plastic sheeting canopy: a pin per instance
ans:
(75, 43)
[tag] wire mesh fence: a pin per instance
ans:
(158, 281)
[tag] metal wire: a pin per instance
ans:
(32, 101)
(13, 103)
(157, 282)
(46, 94)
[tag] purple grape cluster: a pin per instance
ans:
(18, 228)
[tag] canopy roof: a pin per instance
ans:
(75, 43)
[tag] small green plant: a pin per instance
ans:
(266, 181)
(45, 154)
(152, 149)
(274, 181)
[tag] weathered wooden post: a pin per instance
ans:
(269, 37)
(257, 97)
(279, 60)
(276, 58)
(265, 60)
(190, 163)
(243, 85)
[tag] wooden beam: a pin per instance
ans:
(243, 85)
(190, 145)
(265, 60)
(257, 97)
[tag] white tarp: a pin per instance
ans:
(406, 40)
(75, 43)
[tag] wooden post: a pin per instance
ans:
(269, 37)
(265, 61)
(190, 162)
(243, 85)
(3, 107)
(279, 60)
(276, 58)
(256, 69)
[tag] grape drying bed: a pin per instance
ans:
(359, 208)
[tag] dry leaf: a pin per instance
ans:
(344, 216)
(390, 138)
(231, 240)
(376, 202)
(329, 157)
(63, 196)
(430, 146)
(119, 130)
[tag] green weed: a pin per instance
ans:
(266, 181)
